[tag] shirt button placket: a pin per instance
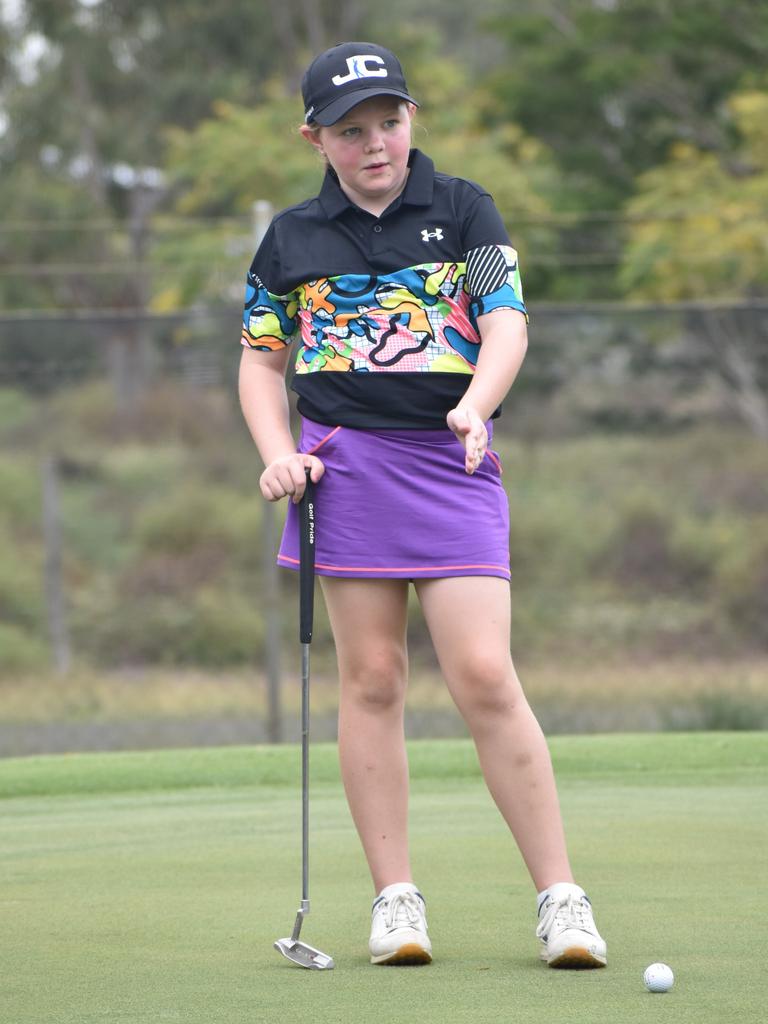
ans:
(377, 239)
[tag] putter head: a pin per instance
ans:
(303, 955)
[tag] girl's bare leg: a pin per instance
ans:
(469, 621)
(368, 618)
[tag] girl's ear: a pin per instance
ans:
(312, 136)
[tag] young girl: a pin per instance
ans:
(405, 290)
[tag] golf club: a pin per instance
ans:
(292, 949)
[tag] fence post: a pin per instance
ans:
(262, 215)
(54, 586)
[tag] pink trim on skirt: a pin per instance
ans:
(398, 504)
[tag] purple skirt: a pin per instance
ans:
(398, 504)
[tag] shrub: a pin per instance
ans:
(163, 413)
(16, 410)
(20, 499)
(742, 585)
(21, 587)
(210, 628)
(21, 650)
(195, 516)
(701, 544)
(731, 713)
(646, 552)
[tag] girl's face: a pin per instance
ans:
(368, 149)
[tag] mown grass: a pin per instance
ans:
(649, 759)
(149, 887)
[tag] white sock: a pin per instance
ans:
(396, 888)
(557, 891)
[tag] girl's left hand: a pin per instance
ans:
(468, 426)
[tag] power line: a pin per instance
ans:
(167, 222)
(131, 314)
(73, 269)
(198, 313)
(106, 268)
(79, 224)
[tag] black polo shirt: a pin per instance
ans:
(386, 307)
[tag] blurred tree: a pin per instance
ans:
(699, 219)
(697, 231)
(88, 88)
(609, 84)
(109, 75)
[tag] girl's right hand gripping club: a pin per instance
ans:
(299, 952)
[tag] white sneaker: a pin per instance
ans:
(399, 927)
(567, 929)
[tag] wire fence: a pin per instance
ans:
(641, 365)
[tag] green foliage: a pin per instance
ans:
(198, 517)
(547, 517)
(211, 627)
(657, 548)
(21, 599)
(610, 86)
(192, 106)
(83, 418)
(183, 593)
(618, 543)
(727, 713)
(643, 554)
(127, 468)
(742, 584)
(22, 620)
(40, 195)
(222, 166)
(21, 651)
(196, 261)
(122, 69)
(682, 243)
(16, 411)
(627, 544)
(242, 154)
(19, 490)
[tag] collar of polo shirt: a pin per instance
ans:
(417, 192)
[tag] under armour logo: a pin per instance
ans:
(437, 234)
(357, 67)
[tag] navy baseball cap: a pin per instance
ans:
(346, 75)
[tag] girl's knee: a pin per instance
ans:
(487, 685)
(377, 683)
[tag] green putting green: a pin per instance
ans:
(150, 887)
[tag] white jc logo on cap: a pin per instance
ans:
(357, 67)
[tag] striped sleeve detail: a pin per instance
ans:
(493, 279)
(486, 270)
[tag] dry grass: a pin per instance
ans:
(657, 680)
(164, 693)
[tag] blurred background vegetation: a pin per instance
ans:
(626, 145)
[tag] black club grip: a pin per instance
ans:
(307, 562)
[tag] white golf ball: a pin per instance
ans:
(658, 978)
